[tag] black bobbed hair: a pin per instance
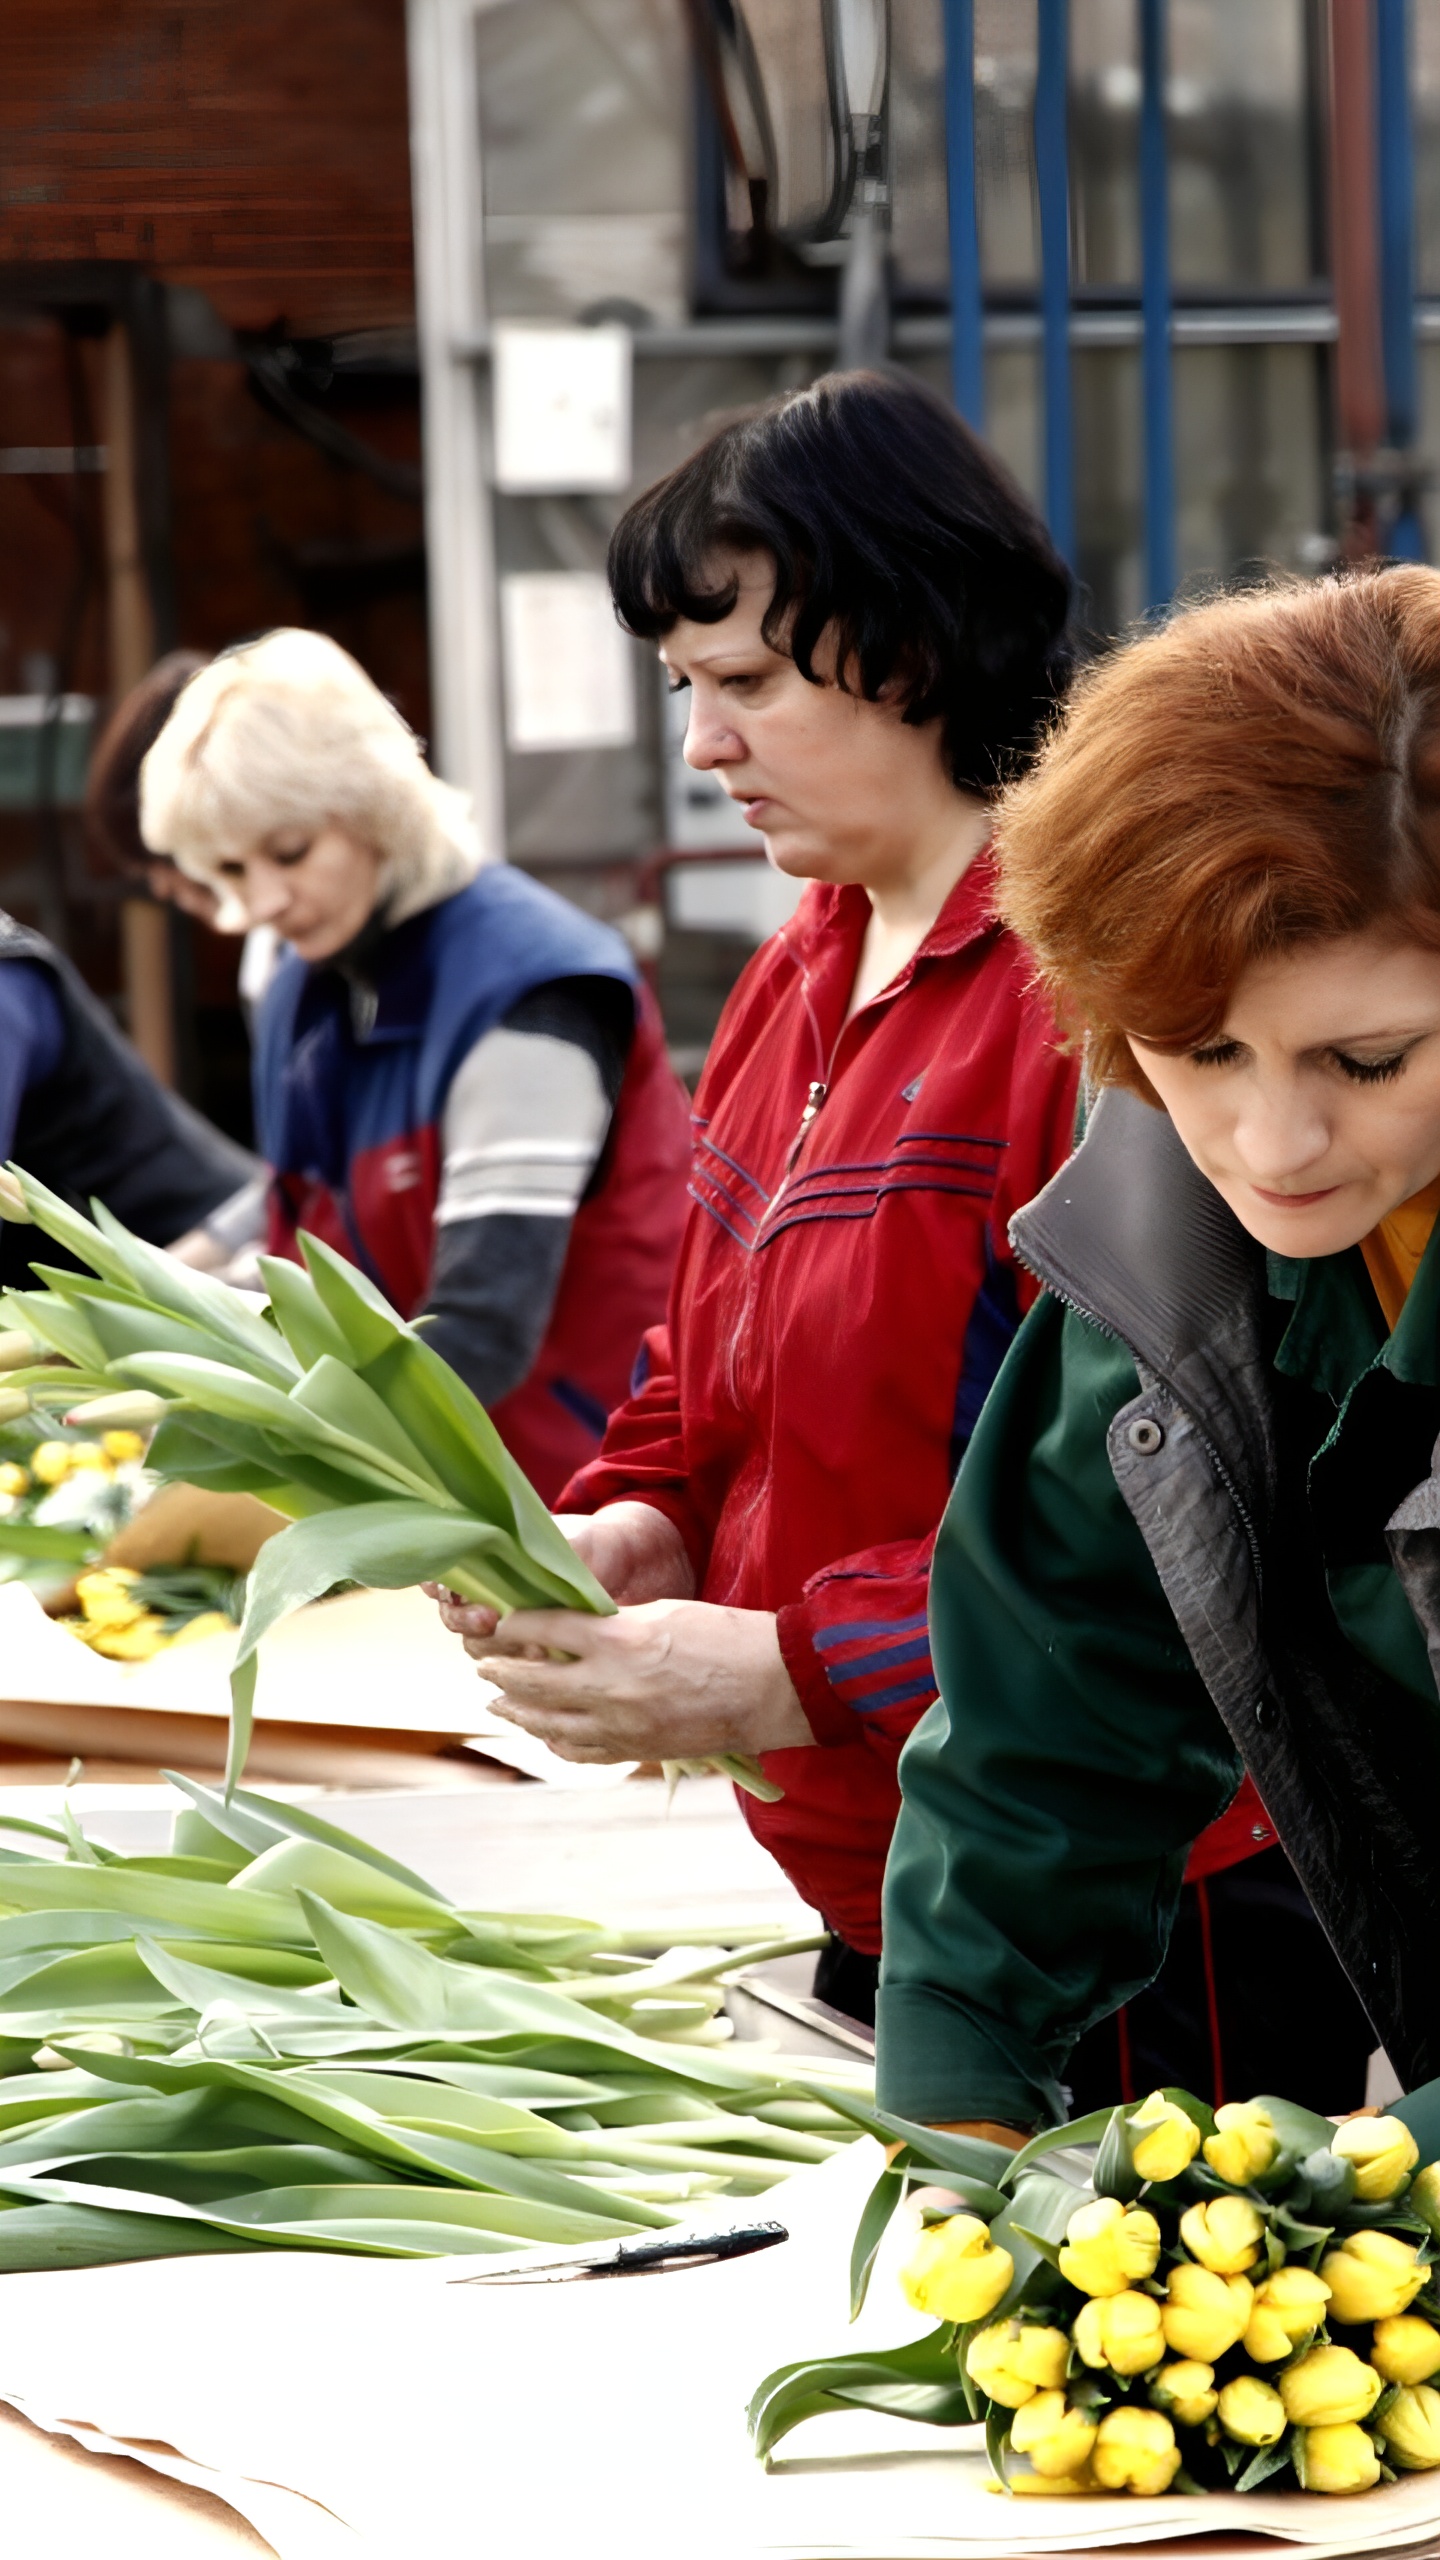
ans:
(890, 526)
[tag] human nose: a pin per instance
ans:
(711, 737)
(1281, 1131)
(265, 895)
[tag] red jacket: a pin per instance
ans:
(844, 1296)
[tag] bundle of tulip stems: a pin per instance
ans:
(276, 2036)
(323, 1402)
(1222, 2300)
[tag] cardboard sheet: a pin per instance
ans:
(369, 1661)
(427, 2415)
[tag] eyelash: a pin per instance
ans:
(1359, 1070)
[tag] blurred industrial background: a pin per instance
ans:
(1181, 263)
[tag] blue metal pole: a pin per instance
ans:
(1160, 561)
(1052, 177)
(1395, 163)
(967, 314)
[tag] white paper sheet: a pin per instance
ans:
(562, 407)
(437, 2418)
(569, 669)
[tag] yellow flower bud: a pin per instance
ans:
(1170, 2142)
(122, 1448)
(1405, 2349)
(1121, 2330)
(1329, 2387)
(211, 1622)
(1109, 2246)
(1135, 2449)
(1011, 2362)
(139, 1642)
(956, 2271)
(1252, 2411)
(1226, 2235)
(1243, 2145)
(50, 1461)
(1055, 2439)
(107, 1597)
(14, 1481)
(86, 1457)
(1411, 2429)
(1034, 2484)
(1288, 2305)
(1339, 2460)
(1204, 2314)
(1383, 2152)
(1371, 2276)
(1186, 2392)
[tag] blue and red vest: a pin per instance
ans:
(350, 1123)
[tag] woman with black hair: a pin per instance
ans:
(872, 627)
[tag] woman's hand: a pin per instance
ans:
(634, 1551)
(664, 1680)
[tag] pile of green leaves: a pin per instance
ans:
(323, 1402)
(275, 2035)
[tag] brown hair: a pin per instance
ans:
(112, 789)
(1263, 772)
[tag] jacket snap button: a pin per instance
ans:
(1144, 1436)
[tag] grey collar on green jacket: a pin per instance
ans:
(1132, 1234)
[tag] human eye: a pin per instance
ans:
(1216, 1053)
(231, 870)
(676, 683)
(1371, 1070)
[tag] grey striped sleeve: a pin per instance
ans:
(525, 1120)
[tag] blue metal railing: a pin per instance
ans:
(1161, 572)
(1394, 158)
(1052, 186)
(967, 305)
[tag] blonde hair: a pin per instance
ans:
(288, 732)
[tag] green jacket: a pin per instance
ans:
(1258, 1453)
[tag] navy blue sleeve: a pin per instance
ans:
(32, 1038)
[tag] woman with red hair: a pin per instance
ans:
(1197, 1532)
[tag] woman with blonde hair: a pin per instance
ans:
(460, 1081)
(1197, 1532)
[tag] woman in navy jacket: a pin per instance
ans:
(460, 1081)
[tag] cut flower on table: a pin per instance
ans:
(1192, 2330)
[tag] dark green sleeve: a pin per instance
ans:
(1051, 1794)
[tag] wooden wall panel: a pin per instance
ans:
(255, 148)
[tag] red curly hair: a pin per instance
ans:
(1263, 772)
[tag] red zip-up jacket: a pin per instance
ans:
(844, 1296)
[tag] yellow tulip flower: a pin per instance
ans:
(14, 1481)
(50, 1461)
(1252, 2411)
(1338, 2460)
(1226, 2235)
(1329, 2387)
(1121, 2331)
(122, 1448)
(1243, 2144)
(1411, 2429)
(1135, 2449)
(1371, 2276)
(1203, 2314)
(1405, 2348)
(1382, 2151)
(1288, 2305)
(1186, 2392)
(1168, 2139)
(955, 2270)
(1054, 2438)
(1011, 2362)
(107, 1596)
(1109, 2246)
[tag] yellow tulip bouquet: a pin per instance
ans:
(1221, 2299)
(319, 1399)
